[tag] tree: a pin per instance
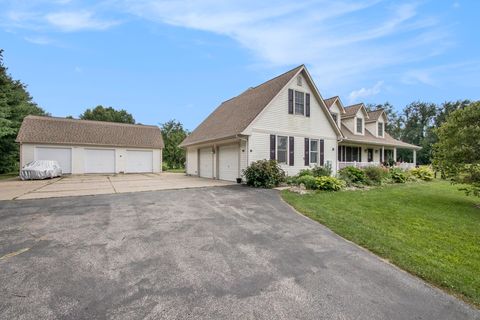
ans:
(457, 152)
(15, 104)
(109, 114)
(418, 120)
(173, 134)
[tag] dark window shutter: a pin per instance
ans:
(307, 105)
(360, 154)
(307, 152)
(339, 153)
(272, 146)
(322, 152)
(290, 101)
(291, 152)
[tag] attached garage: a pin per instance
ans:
(62, 155)
(97, 147)
(139, 161)
(228, 162)
(206, 163)
(99, 160)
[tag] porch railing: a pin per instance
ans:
(357, 164)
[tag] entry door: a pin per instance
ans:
(99, 161)
(62, 155)
(139, 161)
(370, 155)
(206, 163)
(228, 162)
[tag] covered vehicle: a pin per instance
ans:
(40, 169)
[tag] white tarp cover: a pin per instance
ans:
(40, 169)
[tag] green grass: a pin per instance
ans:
(430, 229)
(4, 176)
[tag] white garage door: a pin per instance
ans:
(228, 162)
(62, 155)
(139, 161)
(206, 163)
(99, 161)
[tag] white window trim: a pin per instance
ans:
(316, 151)
(276, 148)
(295, 102)
(383, 129)
(356, 126)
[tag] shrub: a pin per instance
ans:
(422, 173)
(264, 174)
(308, 181)
(397, 175)
(374, 175)
(305, 172)
(329, 184)
(322, 171)
(352, 175)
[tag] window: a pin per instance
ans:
(359, 125)
(380, 129)
(299, 102)
(335, 117)
(282, 149)
(313, 151)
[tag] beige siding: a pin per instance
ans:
(78, 159)
(275, 119)
(335, 108)
(243, 156)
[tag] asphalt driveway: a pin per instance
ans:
(206, 253)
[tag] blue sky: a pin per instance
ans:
(180, 59)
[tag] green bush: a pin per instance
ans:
(305, 172)
(352, 175)
(375, 175)
(264, 174)
(397, 175)
(329, 184)
(291, 180)
(308, 181)
(322, 171)
(422, 173)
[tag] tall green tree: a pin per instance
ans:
(101, 113)
(457, 152)
(15, 104)
(173, 134)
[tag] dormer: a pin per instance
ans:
(376, 123)
(355, 118)
(336, 108)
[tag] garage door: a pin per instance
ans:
(62, 155)
(206, 163)
(99, 161)
(228, 162)
(139, 161)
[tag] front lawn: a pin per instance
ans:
(4, 176)
(429, 229)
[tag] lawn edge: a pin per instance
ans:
(462, 298)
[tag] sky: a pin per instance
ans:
(163, 60)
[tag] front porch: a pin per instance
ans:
(363, 155)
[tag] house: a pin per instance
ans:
(287, 119)
(284, 119)
(365, 141)
(84, 146)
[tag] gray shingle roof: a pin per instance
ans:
(233, 116)
(352, 110)
(374, 115)
(370, 138)
(330, 101)
(51, 130)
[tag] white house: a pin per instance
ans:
(365, 141)
(84, 146)
(284, 118)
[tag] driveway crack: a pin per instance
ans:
(113, 187)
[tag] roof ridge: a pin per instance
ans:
(280, 75)
(92, 121)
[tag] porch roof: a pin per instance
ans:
(369, 138)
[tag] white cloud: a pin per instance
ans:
(358, 95)
(76, 21)
(41, 40)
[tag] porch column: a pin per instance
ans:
(383, 155)
(414, 157)
(395, 154)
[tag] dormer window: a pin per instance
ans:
(360, 125)
(380, 129)
(335, 117)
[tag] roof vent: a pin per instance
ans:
(299, 81)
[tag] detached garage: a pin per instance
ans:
(84, 146)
